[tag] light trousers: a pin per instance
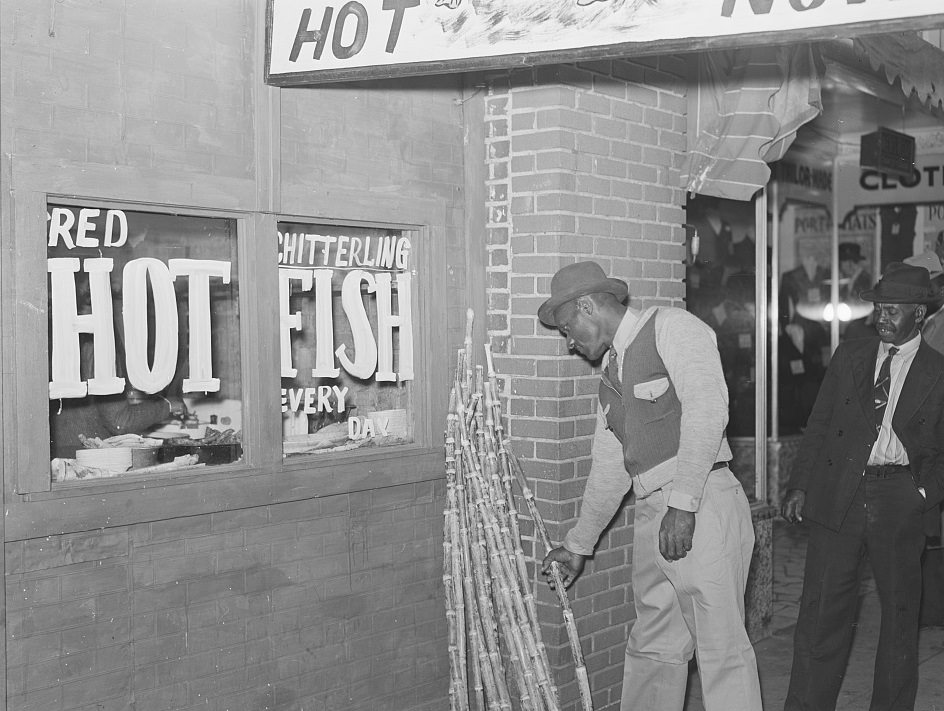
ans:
(693, 606)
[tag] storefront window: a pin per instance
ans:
(346, 328)
(144, 349)
(720, 280)
(805, 310)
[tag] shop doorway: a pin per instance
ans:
(778, 277)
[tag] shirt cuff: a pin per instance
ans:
(681, 500)
(571, 544)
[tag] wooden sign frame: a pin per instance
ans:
(311, 42)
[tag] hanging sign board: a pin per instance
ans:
(312, 41)
(858, 187)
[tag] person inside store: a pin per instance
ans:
(716, 240)
(661, 417)
(732, 321)
(804, 337)
(853, 280)
(870, 465)
(103, 416)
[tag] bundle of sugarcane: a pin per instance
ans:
(490, 610)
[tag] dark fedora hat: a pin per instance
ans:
(576, 280)
(902, 284)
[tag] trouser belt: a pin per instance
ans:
(882, 471)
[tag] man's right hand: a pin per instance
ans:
(792, 508)
(571, 565)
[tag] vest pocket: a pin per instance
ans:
(651, 389)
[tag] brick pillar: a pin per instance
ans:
(583, 163)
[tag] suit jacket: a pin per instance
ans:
(841, 430)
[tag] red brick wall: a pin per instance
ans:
(583, 163)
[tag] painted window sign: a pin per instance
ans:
(346, 330)
(144, 358)
(340, 39)
(863, 186)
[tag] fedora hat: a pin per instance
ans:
(576, 280)
(902, 284)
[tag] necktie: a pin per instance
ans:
(612, 372)
(880, 389)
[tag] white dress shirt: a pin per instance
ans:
(888, 449)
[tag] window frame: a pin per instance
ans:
(422, 428)
(38, 507)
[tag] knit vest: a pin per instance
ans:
(643, 410)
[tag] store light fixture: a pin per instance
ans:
(887, 151)
(843, 310)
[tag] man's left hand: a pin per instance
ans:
(676, 533)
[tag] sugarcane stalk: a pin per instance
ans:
(517, 632)
(495, 419)
(452, 584)
(529, 633)
(482, 673)
(583, 680)
(491, 504)
(482, 582)
(480, 660)
(531, 616)
(495, 578)
(469, 319)
(487, 677)
(489, 627)
(493, 406)
(458, 692)
(490, 603)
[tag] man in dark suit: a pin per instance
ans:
(871, 464)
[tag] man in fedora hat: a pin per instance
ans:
(664, 401)
(870, 464)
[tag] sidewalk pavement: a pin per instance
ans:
(775, 653)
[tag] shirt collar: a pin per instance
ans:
(626, 331)
(905, 349)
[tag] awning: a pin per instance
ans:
(746, 109)
(905, 57)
